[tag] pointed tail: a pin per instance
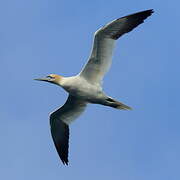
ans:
(116, 104)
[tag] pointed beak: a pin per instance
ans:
(42, 79)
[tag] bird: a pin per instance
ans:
(87, 86)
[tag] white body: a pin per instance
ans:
(81, 88)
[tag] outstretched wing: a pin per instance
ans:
(104, 41)
(59, 121)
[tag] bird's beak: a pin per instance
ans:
(42, 79)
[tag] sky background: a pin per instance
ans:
(40, 37)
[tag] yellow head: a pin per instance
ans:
(51, 78)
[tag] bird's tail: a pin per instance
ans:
(116, 104)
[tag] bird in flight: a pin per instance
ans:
(86, 87)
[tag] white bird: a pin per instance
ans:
(86, 87)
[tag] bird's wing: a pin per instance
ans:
(104, 41)
(59, 121)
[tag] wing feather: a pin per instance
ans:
(59, 122)
(104, 42)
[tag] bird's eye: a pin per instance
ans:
(50, 77)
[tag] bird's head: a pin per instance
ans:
(51, 78)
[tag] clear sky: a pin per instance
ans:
(40, 37)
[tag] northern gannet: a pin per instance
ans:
(86, 87)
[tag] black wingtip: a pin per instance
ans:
(66, 163)
(149, 11)
(132, 21)
(60, 135)
(63, 153)
(144, 14)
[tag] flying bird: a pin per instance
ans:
(86, 87)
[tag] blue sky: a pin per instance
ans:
(40, 37)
